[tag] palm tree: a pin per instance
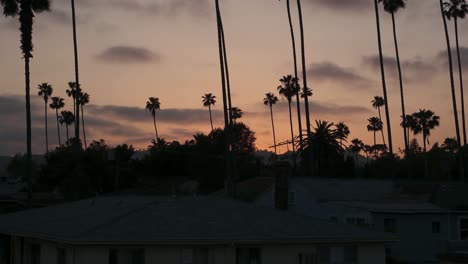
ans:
(375, 124)
(45, 91)
(457, 9)
(452, 81)
(356, 147)
(83, 99)
(342, 132)
(270, 100)
(77, 76)
(384, 83)
(307, 91)
(73, 93)
(236, 113)
(288, 89)
(67, 118)
(408, 123)
(425, 121)
(393, 6)
(208, 100)
(57, 104)
(304, 80)
(152, 106)
(25, 10)
(293, 42)
(377, 103)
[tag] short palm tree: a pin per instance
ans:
(377, 103)
(457, 9)
(408, 123)
(356, 147)
(392, 7)
(375, 125)
(25, 11)
(382, 70)
(236, 113)
(57, 104)
(73, 93)
(152, 105)
(288, 89)
(307, 91)
(425, 121)
(45, 91)
(270, 100)
(452, 81)
(208, 100)
(82, 100)
(342, 132)
(67, 118)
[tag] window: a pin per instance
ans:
(350, 254)
(435, 227)
(113, 256)
(307, 259)
(61, 256)
(324, 255)
(464, 229)
(248, 256)
(35, 254)
(390, 225)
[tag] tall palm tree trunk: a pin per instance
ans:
(46, 130)
(228, 184)
(461, 164)
(400, 75)
(155, 127)
(298, 101)
(384, 84)
(28, 129)
(309, 163)
(375, 143)
(211, 118)
(383, 136)
(273, 127)
(426, 162)
(77, 76)
(460, 71)
(83, 126)
(292, 132)
(226, 67)
(58, 127)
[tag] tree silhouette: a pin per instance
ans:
(288, 89)
(73, 93)
(67, 118)
(382, 70)
(452, 81)
(408, 123)
(375, 124)
(77, 76)
(208, 100)
(450, 145)
(392, 7)
(425, 121)
(356, 147)
(309, 92)
(270, 100)
(457, 9)
(377, 103)
(236, 113)
(152, 105)
(342, 132)
(83, 99)
(25, 9)
(57, 104)
(45, 91)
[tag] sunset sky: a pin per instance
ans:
(134, 49)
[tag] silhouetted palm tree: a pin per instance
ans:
(73, 93)
(67, 118)
(25, 10)
(356, 147)
(342, 132)
(45, 91)
(208, 100)
(425, 121)
(270, 100)
(152, 106)
(309, 92)
(288, 89)
(298, 104)
(408, 123)
(236, 113)
(57, 104)
(452, 82)
(83, 99)
(375, 124)
(457, 9)
(77, 76)
(384, 83)
(393, 6)
(377, 103)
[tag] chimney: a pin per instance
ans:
(282, 171)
